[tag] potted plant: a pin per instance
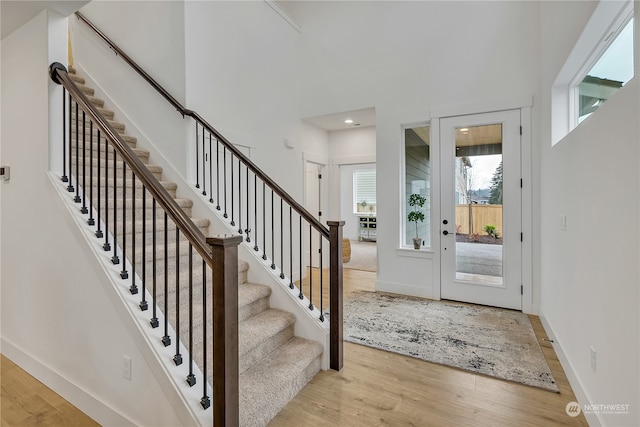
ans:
(416, 201)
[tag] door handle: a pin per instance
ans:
(445, 232)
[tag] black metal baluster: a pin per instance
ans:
(204, 172)
(114, 258)
(239, 197)
(248, 229)
(84, 209)
(191, 379)
(106, 246)
(205, 401)
(321, 279)
(281, 240)
(177, 358)
(99, 230)
(264, 223)
(166, 339)
(255, 212)
(143, 304)
(310, 268)
(64, 177)
(134, 288)
(291, 285)
(233, 223)
(210, 171)
(197, 160)
(218, 174)
(273, 237)
(70, 188)
(300, 293)
(123, 273)
(224, 172)
(77, 197)
(91, 220)
(154, 320)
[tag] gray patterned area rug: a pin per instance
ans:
(490, 341)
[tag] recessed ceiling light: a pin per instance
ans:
(464, 130)
(348, 121)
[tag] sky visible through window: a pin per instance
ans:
(617, 62)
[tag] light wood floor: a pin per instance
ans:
(378, 388)
(26, 402)
(375, 388)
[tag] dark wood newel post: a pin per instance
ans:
(225, 330)
(336, 353)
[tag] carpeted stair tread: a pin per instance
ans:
(261, 334)
(280, 376)
(96, 101)
(119, 127)
(274, 364)
(141, 153)
(109, 114)
(77, 79)
(252, 299)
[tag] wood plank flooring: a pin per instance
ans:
(378, 388)
(26, 402)
(375, 388)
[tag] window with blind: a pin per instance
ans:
(364, 191)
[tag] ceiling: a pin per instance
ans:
(17, 13)
(330, 122)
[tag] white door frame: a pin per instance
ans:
(530, 302)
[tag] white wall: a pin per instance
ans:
(589, 273)
(406, 58)
(152, 34)
(58, 321)
(242, 72)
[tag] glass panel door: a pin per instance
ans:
(480, 210)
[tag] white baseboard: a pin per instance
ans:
(581, 396)
(78, 397)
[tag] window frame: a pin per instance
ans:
(609, 37)
(608, 17)
(403, 203)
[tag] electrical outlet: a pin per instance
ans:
(593, 358)
(126, 368)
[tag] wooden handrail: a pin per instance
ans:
(186, 112)
(59, 74)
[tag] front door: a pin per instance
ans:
(481, 257)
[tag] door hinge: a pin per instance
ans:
(520, 182)
(522, 237)
(521, 290)
(520, 130)
(319, 176)
(320, 213)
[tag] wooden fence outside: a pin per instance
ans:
(482, 215)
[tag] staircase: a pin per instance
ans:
(274, 364)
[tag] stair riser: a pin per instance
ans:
(103, 146)
(119, 127)
(140, 213)
(250, 358)
(155, 170)
(108, 114)
(128, 185)
(131, 140)
(254, 307)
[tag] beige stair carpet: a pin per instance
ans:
(271, 357)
